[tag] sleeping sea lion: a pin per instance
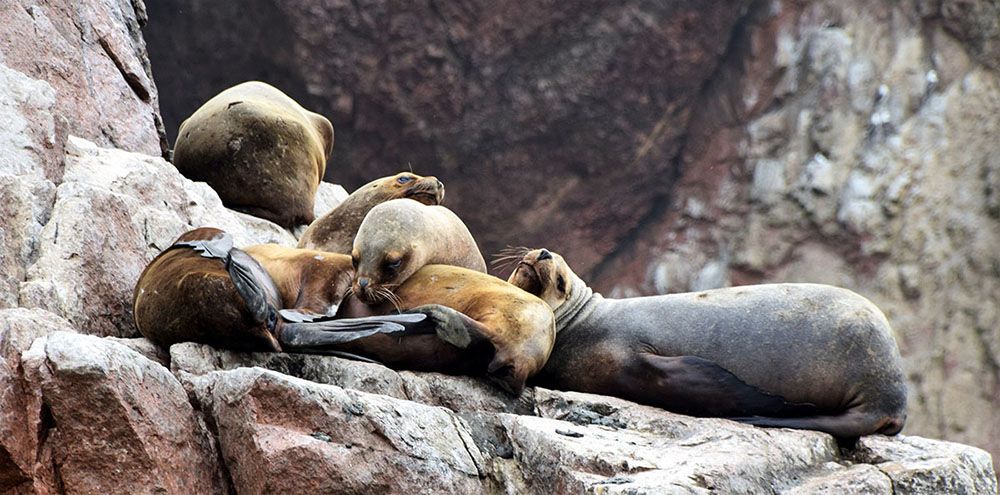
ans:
(783, 355)
(260, 150)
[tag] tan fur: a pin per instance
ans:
(260, 150)
(335, 231)
(400, 236)
(307, 279)
(520, 326)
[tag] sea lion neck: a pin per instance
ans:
(577, 306)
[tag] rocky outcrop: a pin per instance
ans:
(92, 56)
(676, 147)
(105, 413)
(352, 434)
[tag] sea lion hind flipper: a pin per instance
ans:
(218, 247)
(699, 387)
(317, 335)
(238, 264)
(850, 424)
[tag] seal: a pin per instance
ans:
(400, 236)
(202, 289)
(260, 150)
(802, 356)
(483, 325)
(335, 231)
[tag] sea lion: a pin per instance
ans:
(399, 237)
(784, 355)
(202, 289)
(260, 150)
(483, 325)
(335, 231)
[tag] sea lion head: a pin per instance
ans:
(427, 190)
(545, 274)
(385, 252)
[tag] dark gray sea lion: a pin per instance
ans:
(335, 231)
(259, 149)
(783, 355)
(202, 289)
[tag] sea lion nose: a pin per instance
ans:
(544, 255)
(439, 183)
(362, 282)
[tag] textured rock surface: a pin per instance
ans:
(91, 52)
(114, 212)
(851, 143)
(544, 442)
(113, 421)
(19, 419)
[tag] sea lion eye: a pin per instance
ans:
(392, 265)
(403, 179)
(354, 262)
(561, 284)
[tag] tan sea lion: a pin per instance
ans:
(202, 289)
(483, 325)
(784, 355)
(399, 237)
(335, 231)
(260, 150)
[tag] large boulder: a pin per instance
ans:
(19, 408)
(542, 442)
(284, 435)
(112, 421)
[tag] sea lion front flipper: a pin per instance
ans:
(699, 387)
(450, 325)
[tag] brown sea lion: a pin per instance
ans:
(399, 237)
(784, 355)
(483, 325)
(335, 231)
(260, 150)
(202, 289)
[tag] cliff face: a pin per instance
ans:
(665, 149)
(85, 407)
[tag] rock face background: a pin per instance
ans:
(675, 146)
(86, 407)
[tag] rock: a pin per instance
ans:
(18, 426)
(113, 213)
(915, 465)
(458, 393)
(587, 100)
(114, 421)
(284, 435)
(91, 52)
